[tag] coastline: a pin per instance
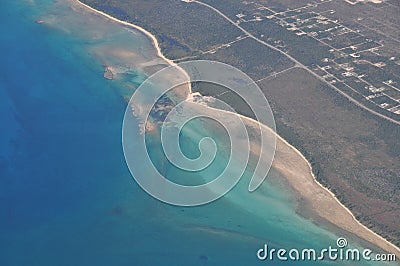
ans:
(145, 32)
(297, 181)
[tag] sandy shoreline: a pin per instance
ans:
(320, 199)
(297, 171)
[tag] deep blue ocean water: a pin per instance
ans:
(66, 195)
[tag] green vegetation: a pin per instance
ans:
(353, 153)
(253, 58)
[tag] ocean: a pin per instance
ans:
(66, 194)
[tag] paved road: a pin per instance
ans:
(298, 64)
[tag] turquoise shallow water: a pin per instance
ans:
(66, 195)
